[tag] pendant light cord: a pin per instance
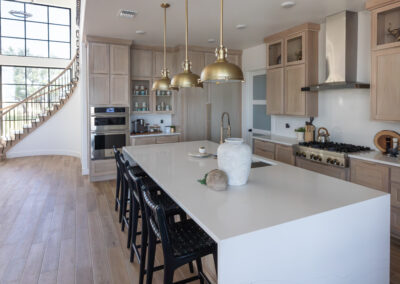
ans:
(165, 37)
(186, 31)
(221, 25)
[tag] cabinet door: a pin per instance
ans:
(385, 84)
(275, 91)
(99, 89)
(158, 63)
(295, 99)
(143, 141)
(274, 54)
(264, 149)
(369, 174)
(119, 90)
(395, 221)
(142, 63)
(167, 139)
(99, 58)
(119, 59)
(395, 194)
(284, 154)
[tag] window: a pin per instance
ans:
(21, 82)
(28, 29)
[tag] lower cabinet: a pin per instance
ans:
(103, 170)
(284, 154)
(264, 149)
(370, 174)
(341, 173)
(154, 140)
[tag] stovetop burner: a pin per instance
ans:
(335, 147)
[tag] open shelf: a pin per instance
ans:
(141, 98)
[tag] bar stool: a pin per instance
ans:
(182, 242)
(117, 155)
(171, 208)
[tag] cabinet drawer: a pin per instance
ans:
(103, 167)
(167, 139)
(395, 175)
(395, 194)
(144, 141)
(284, 154)
(265, 154)
(370, 174)
(264, 145)
(341, 173)
(395, 221)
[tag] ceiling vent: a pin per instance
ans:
(130, 14)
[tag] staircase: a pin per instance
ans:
(19, 120)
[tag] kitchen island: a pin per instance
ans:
(287, 225)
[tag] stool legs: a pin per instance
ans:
(150, 258)
(117, 197)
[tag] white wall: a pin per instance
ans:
(60, 135)
(346, 113)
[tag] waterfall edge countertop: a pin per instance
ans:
(273, 195)
(286, 225)
(288, 141)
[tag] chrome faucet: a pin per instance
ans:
(228, 132)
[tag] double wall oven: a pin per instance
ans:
(109, 126)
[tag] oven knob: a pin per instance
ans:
(320, 158)
(337, 163)
(333, 161)
(312, 156)
(304, 154)
(328, 160)
(297, 153)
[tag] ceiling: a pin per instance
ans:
(262, 17)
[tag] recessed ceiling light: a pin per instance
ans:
(241, 26)
(140, 32)
(127, 13)
(211, 40)
(288, 4)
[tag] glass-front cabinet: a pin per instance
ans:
(275, 51)
(386, 26)
(294, 49)
(164, 101)
(141, 102)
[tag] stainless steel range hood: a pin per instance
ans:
(341, 53)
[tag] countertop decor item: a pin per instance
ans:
(217, 180)
(300, 133)
(394, 32)
(234, 158)
(323, 135)
(380, 139)
(199, 155)
(202, 150)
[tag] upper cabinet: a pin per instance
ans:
(292, 63)
(385, 59)
(108, 72)
(158, 62)
(142, 63)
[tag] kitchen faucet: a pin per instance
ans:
(228, 132)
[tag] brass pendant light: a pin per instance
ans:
(186, 79)
(163, 84)
(221, 70)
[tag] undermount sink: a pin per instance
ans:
(259, 164)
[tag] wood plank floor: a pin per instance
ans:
(57, 227)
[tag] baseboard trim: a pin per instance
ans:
(20, 154)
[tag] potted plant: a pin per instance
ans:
(300, 133)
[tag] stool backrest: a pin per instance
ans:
(156, 218)
(134, 186)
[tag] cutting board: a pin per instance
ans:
(380, 138)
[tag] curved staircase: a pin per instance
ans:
(20, 119)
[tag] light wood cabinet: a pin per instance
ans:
(284, 154)
(135, 141)
(275, 91)
(295, 99)
(167, 139)
(119, 90)
(370, 174)
(264, 149)
(142, 63)
(119, 59)
(395, 194)
(395, 221)
(385, 60)
(385, 84)
(336, 172)
(103, 170)
(99, 89)
(99, 58)
(295, 52)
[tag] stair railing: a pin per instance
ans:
(18, 118)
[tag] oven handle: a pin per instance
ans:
(109, 115)
(109, 132)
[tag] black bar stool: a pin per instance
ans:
(182, 242)
(117, 155)
(137, 204)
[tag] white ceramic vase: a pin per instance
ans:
(234, 158)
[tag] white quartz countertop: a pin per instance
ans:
(377, 157)
(154, 134)
(288, 141)
(273, 195)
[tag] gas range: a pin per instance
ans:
(330, 153)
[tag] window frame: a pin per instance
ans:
(25, 38)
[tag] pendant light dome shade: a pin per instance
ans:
(186, 79)
(221, 70)
(163, 84)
